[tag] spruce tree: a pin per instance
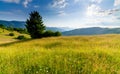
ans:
(34, 25)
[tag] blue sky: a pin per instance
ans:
(65, 13)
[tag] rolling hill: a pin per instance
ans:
(67, 31)
(16, 24)
(92, 31)
(60, 29)
(6, 38)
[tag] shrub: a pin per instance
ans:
(11, 34)
(2, 26)
(51, 33)
(21, 30)
(57, 33)
(48, 33)
(21, 37)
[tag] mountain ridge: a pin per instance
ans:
(92, 31)
(21, 24)
(67, 31)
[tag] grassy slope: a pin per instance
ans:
(62, 55)
(5, 38)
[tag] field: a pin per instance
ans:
(5, 38)
(98, 54)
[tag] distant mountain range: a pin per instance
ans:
(21, 24)
(16, 24)
(61, 29)
(68, 31)
(92, 31)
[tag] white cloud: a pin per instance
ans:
(61, 13)
(5, 13)
(26, 2)
(93, 1)
(93, 10)
(76, 1)
(59, 3)
(97, 16)
(11, 1)
(109, 12)
(117, 2)
(96, 1)
(101, 21)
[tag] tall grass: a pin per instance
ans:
(62, 55)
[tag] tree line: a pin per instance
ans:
(10, 28)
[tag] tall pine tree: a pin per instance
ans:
(35, 25)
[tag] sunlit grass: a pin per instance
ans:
(62, 55)
(5, 38)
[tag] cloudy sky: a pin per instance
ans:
(65, 13)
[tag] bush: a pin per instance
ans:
(21, 37)
(21, 30)
(57, 34)
(2, 26)
(51, 33)
(11, 34)
(48, 33)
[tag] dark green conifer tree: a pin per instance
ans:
(34, 25)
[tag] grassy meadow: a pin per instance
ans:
(5, 38)
(98, 54)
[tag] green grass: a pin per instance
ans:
(98, 54)
(5, 38)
